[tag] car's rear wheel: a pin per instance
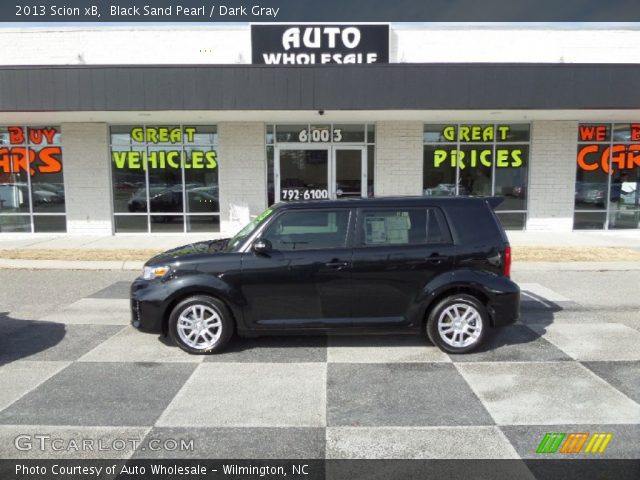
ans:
(458, 323)
(200, 324)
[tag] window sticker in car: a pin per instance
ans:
(375, 230)
(391, 228)
(397, 229)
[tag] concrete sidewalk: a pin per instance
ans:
(99, 242)
(577, 239)
(629, 239)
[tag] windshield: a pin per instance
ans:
(239, 237)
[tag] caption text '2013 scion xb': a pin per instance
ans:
(387, 265)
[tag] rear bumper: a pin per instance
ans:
(147, 305)
(504, 303)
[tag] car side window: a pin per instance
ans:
(309, 230)
(437, 228)
(404, 226)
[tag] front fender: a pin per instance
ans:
(181, 287)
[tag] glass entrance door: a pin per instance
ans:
(349, 169)
(302, 174)
(320, 173)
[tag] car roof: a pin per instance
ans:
(389, 202)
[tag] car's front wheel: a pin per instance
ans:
(458, 323)
(200, 324)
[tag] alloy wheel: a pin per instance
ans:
(460, 325)
(199, 326)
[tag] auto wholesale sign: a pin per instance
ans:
(319, 44)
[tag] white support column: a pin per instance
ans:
(552, 175)
(87, 178)
(398, 158)
(242, 163)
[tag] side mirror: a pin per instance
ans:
(261, 246)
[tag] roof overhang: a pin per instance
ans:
(257, 88)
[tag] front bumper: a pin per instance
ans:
(147, 305)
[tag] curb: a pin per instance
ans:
(575, 266)
(116, 265)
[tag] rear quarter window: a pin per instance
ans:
(437, 228)
(475, 223)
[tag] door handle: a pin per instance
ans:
(337, 265)
(436, 258)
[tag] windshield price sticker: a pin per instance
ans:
(320, 135)
(304, 194)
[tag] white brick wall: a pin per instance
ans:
(221, 44)
(552, 175)
(87, 178)
(243, 179)
(96, 45)
(585, 43)
(398, 158)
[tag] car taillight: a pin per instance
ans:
(507, 262)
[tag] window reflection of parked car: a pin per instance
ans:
(47, 193)
(169, 200)
(126, 186)
(349, 188)
(203, 199)
(15, 195)
(591, 193)
(516, 191)
(161, 199)
(211, 190)
(445, 190)
(45, 196)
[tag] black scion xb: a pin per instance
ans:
(387, 265)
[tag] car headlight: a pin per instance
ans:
(150, 273)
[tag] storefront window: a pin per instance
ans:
(479, 160)
(607, 176)
(31, 181)
(165, 178)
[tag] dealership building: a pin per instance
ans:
(192, 128)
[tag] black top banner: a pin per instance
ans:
(319, 44)
(320, 11)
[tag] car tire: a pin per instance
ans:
(200, 324)
(458, 323)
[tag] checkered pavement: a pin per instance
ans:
(83, 372)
